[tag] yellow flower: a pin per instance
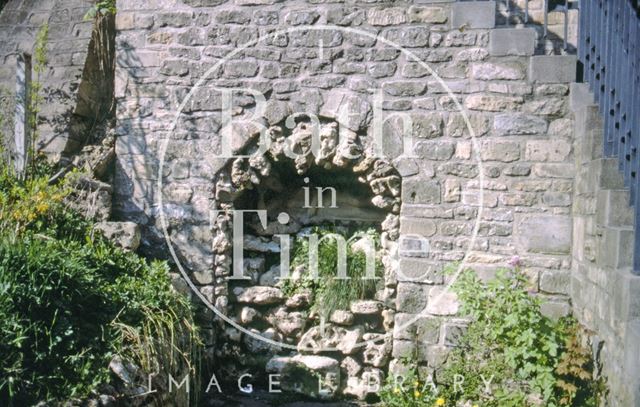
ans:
(416, 384)
(440, 402)
(397, 390)
(42, 207)
(416, 394)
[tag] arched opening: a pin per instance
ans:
(331, 312)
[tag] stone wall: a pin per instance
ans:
(605, 295)
(512, 183)
(68, 101)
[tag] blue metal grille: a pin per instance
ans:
(608, 48)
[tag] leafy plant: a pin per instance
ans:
(330, 292)
(102, 7)
(70, 300)
(510, 354)
(411, 389)
(575, 380)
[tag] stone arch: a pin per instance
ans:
(339, 148)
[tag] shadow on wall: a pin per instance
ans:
(136, 169)
(553, 43)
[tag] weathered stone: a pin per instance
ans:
(411, 298)
(434, 150)
(548, 150)
(442, 302)
(407, 36)
(386, 16)
(453, 333)
(404, 88)
(427, 125)
(554, 170)
(342, 317)
(546, 107)
(382, 69)
(493, 103)
(420, 192)
(377, 349)
(259, 244)
(512, 41)
(417, 226)
(265, 17)
(311, 38)
(351, 366)
(503, 151)
(513, 124)
(555, 281)
(421, 328)
(124, 234)
(548, 234)
(301, 375)
(233, 17)
(126, 371)
(348, 109)
(366, 307)
(452, 190)
(331, 338)
(472, 55)
(258, 295)
(256, 344)
(301, 17)
(459, 38)
(430, 15)
(473, 15)
(493, 71)
(553, 69)
(346, 16)
(422, 271)
(248, 315)
(290, 324)
(300, 300)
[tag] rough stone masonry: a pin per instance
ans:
(512, 183)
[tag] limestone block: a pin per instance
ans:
(512, 41)
(404, 88)
(407, 36)
(411, 298)
(555, 281)
(429, 15)
(258, 295)
(552, 68)
(503, 151)
(124, 234)
(420, 192)
(442, 302)
(511, 124)
(418, 270)
(480, 14)
(548, 150)
(386, 16)
(493, 103)
(547, 234)
(494, 71)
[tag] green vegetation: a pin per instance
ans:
(102, 7)
(331, 293)
(35, 92)
(528, 358)
(70, 301)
